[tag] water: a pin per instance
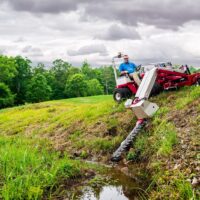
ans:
(107, 193)
(119, 187)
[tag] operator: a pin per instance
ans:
(129, 68)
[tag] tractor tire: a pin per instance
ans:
(198, 82)
(120, 94)
(157, 88)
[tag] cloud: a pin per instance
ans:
(89, 49)
(167, 14)
(117, 32)
(148, 31)
(32, 51)
(42, 6)
(2, 51)
(20, 40)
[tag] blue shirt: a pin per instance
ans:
(130, 67)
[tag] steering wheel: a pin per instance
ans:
(138, 67)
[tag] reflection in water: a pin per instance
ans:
(107, 193)
(119, 187)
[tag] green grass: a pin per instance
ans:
(156, 144)
(30, 170)
(52, 118)
(172, 186)
(32, 167)
(189, 96)
(51, 115)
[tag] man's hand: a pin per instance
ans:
(124, 72)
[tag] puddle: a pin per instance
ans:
(107, 192)
(118, 187)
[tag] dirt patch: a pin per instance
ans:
(60, 138)
(65, 139)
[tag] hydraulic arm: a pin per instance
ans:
(142, 108)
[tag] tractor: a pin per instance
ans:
(167, 77)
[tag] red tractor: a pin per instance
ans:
(167, 78)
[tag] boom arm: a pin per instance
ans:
(147, 84)
(141, 107)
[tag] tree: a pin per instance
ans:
(6, 98)
(94, 87)
(21, 79)
(107, 79)
(39, 69)
(7, 69)
(88, 71)
(38, 89)
(60, 71)
(76, 86)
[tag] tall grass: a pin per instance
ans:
(28, 170)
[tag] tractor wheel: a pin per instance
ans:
(157, 88)
(127, 93)
(121, 93)
(198, 82)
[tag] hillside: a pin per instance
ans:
(43, 145)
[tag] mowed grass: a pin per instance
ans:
(30, 168)
(47, 116)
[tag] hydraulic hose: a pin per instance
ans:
(126, 144)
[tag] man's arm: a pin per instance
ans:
(134, 67)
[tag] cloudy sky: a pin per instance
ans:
(94, 30)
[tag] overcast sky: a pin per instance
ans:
(95, 30)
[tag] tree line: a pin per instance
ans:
(21, 81)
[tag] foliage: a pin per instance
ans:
(94, 87)
(60, 74)
(76, 86)
(88, 71)
(20, 75)
(7, 69)
(6, 98)
(38, 89)
(21, 79)
(106, 78)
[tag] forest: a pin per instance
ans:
(22, 82)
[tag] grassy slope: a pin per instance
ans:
(170, 145)
(37, 141)
(92, 120)
(34, 140)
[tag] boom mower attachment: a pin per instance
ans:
(141, 107)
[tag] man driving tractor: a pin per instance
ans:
(129, 68)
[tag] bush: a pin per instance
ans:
(6, 97)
